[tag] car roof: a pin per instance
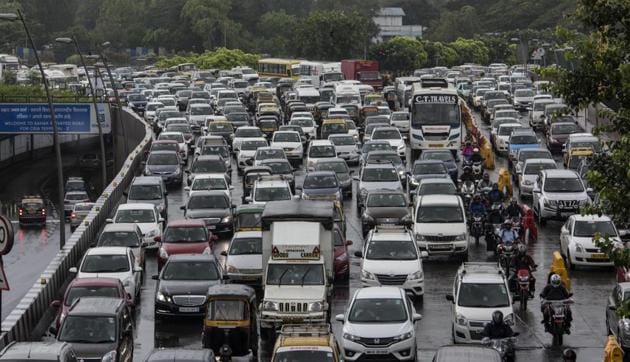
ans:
(590, 217)
(540, 160)
(186, 223)
(180, 354)
(96, 282)
(379, 293)
(107, 250)
(560, 173)
(208, 193)
(103, 306)
(247, 234)
(136, 206)
(191, 257)
(147, 180)
(120, 227)
(42, 351)
(450, 200)
(321, 143)
(320, 173)
(208, 158)
(524, 130)
(440, 180)
(163, 152)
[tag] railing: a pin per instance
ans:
(21, 323)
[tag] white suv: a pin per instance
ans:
(578, 236)
(558, 194)
(440, 225)
(479, 289)
(391, 257)
(379, 324)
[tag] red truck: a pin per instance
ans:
(365, 71)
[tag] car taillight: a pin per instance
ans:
(21, 211)
(73, 216)
(44, 212)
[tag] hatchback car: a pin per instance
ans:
(385, 207)
(243, 263)
(578, 238)
(344, 174)
(321, 185)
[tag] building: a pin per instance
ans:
(390, 23)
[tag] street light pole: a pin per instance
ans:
(62, 217)
(73, 40)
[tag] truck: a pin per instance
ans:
(298, 255)
(365, 71)
(314, 342)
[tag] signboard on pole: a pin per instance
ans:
(6, 244)
(72, 118)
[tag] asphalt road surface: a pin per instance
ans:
(591, 288)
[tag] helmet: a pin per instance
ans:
(495, 186)
(477, 197)
(486, 177)
(507, 223)
(468, 143)
(555, 280)
(513, 201)
(497, 316)
(475, 150)
(569, 355)
(522, 249)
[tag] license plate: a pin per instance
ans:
(440, 247)
(436, 145)
(599, 256)
(189, 309)
(212, 227)
(376, 351)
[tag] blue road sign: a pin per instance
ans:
(72, 118)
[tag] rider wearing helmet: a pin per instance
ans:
(485, 182)
(513, 210)
(507, 234)
(467, 151)
(495, 195)
(497, 328)
(477, 206)
(556, 290)
(467, 174)
(476, 157)
(521, 260)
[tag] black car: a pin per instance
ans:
(213, 207)
(385, 207)
(165, 164)
(238, 119)
(422, 169)
(137, 102)
(183, 283)
(370, 146)
(445, 156)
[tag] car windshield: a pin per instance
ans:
(178, 128)
(75, 186)
(93, 263)
(145, 192)
(386, 134)
(272, 194)
(506, 130)
(337, 167)
(441, 156)
(185, 235)
(158, 159)
(165, 147)
(249, 220)
(190, 270)
(77, 196)
(429, 169)
(88, 329)
(279, 168)
(295, 274)
(270, 153)
(305, 355)
(437, 189)
(214, 183)
(179, 138)
(197, 201)
(540, 106)
(320, 181)
(286, 137)
(79, 292)
(302, 122)
(584, 229)
(119, 238)
(322, 151)
(535, 168)
(215, 150)
(154, 106)
(201, 111)
(386, 200)
(478, 295)
(252, 145)
(32, 205)
(564, 128)
(378, 311)
(524, 93)
(248, 132)
(533, 153)
(343, 141)
(335, 127)
(524, 139)
(379, 175)
(246, 246)
(220, 127)
(208, 166)
(391, 250)
(135, 216)
(566, 184)
(435, 114)
(368, 147)
(439, 214)
(226, 310)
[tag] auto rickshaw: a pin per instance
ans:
(247, 218)
(250, 175)
(231, 321)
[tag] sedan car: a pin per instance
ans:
(213, 207)
(291, 143)
(243, 263)
(391, 135)
(558, 134)
(384, 207)
(183, 283)
(125, 235)
(445, 156)
(72, 198)
(344, 174)
(166, 164)
(346, 147)
(577, 240)
(321, 185)
(422, 169)
(79, 212)
(145, 216)
(617, 325)
(184, 237)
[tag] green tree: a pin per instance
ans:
(399, 55)
(440, 54)
(451, 25)
(470, 51)
(121, 23)
(209, 20)
(277, 29)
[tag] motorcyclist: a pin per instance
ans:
(514, 211)
(485, 182)
(467, 151)
(555, 290)
(507, 235)
(476, 156)
(495, 195)
(477, 206)
(497, 328)
(521, 260)
(467, 175)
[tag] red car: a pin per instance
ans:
(88, 287)
(184, 237)
(342, 261)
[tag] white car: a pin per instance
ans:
(290, 142)
(391, 257)
(379, 322)
(269, 152)
(307, 123)
(243, 261)
(558, 194)
(501, 140)
(112, 262)
(317, 150)
(270, 188)
(346, 147)
(538, 110)
(530, 170)
(145, 215)
(243, 133)
(479, 290)
(391, 135)
(150, 109)
(248, 148)
(577, 240)
(523, 99)
(181, 142)
(209, 182)
(440, 225)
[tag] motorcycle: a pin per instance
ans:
(556, 325)
(506, 252)
(522, 287)
(467, 189)
(489, 237)
(505, 346)
(476, 227)
(477, 170)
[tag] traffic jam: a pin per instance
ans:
(327, 213)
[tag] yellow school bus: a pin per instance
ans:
(273, 67)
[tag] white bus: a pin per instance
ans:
(436, 120)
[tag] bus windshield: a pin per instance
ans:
(435, 110)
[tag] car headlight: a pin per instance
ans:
(461, 237)
(151, 234)
(162, 297)
(579, 248)
(403, 336)
(351, 337)
(401, 147)
(315, 307)
(367, 275)
(461, 320)
(420, 237)
(163, 253)
(110, 356)
(415, 276)
(231, 269)
(270, 306)
(226, 219)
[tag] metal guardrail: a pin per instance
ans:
(22, 321)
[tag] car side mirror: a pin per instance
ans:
(161, 220)
(248, 199)
(358, 254)
(73, 270)
(450, 298)
(339, 318)
(589, 190)
(416, 317)
(224, 253)
(55, 304)
(109, 221)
